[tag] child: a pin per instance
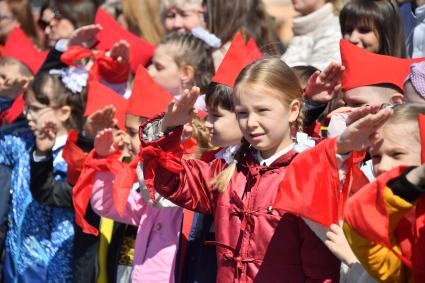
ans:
(316, 35)
(254, 241)
(50, 106)
(380, 219)
(374, 25)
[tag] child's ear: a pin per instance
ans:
(294, 110)
(397, 98)
(187, 74)
(64, 113)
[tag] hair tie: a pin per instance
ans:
(74, 78)
(210, 39)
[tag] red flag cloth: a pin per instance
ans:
(322, 199)
(104, 67)
(20, 47)
(10, 115)
(421, 120)
(147, 97)
(380, 69)
(237, 57)
(141, 51)
(167, 160)
(254, 51)
(100, 96)
(190, 146)
(74, 157)
(125, 176)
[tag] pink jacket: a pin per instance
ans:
(158, 230)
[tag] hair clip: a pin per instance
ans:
(210, 39)
(74, 78)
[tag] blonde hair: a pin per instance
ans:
(404, 113)
(143, 18)
(181, 4)
(272, 73)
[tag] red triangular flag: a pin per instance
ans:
(11, 114)
(363, 68)
(141, 51)
(236, 58)
(147, 97)
(100, 96)
(20, 47)
(254, 51)
(74, 157)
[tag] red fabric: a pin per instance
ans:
(11, 114)
(20, 47)
(254, 240)
(421, 120)
(141, 51)
(125, 177)
(254, 51)
(313, 130)
(104, 67)
(83, 188)
(323, 199)
(100, 96)
(185, 232)
(74, 157)
(236, 58)
(190, 146)
(209, 155)
(363, 68)
(147, 97)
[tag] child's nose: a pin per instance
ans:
(354, 37)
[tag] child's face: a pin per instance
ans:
(37, 114)
(132, 124)
(183, 20)
(9, 72)
(363, 37)
(305, 7)
(369, 95)
(165, 71)
(264, 119)
(223, 127)
(397, 144)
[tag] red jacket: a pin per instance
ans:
(255, 243)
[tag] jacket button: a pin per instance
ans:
(158, 226)
(269, 209)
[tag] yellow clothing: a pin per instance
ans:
(106, 228)
(379, 261)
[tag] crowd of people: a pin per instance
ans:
(182, 141)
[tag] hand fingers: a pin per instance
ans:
(313, 78)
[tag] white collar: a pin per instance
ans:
(267, 161)
(60, 142)
(310, 22)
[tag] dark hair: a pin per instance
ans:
(49, 90)
(193, 52)
(79, 12)
(383, 17)
(225, 18)
(304, 73)
(219, 95)
(21, 10)
(23, 69)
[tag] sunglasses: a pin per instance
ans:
(57, 16)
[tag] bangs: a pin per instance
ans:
(359, 14)
(219, 95)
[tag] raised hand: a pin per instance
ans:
(120, 52)
(363, 124)
(12, 87)
(85, 36)
(104, 143)
(99, 120)
(322, 87)
(45, 137)
(338, 245)
(182, 111)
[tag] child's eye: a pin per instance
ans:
(263, 109)
(159, 67)
(241, 113)
(364, 30)
(170, 15)
(396, 155)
